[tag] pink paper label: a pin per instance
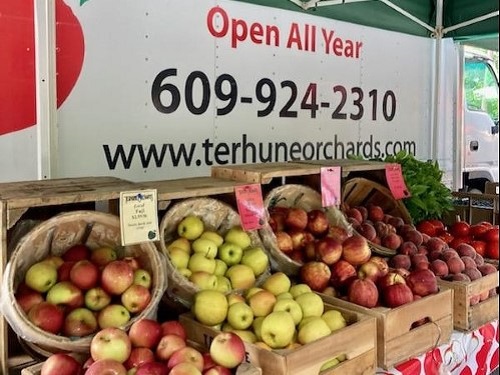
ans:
(250, 206)
(396, 181)
(330, 186)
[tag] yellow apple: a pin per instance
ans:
(278, 329)
(256, 259)
(204, 280)
(178, 257)
(246, 335)
(213, 236)
(262, 302)
(291, 306)
(277, 283)
(240, 315)
(297, 289)
(241, 276)
(311, 304)
(220, 267)
(238, 236)
(223, 284)
(205, 246)
(199, 262)
(313, 330)
(334, 319)
(181, 243)
(190, 227)
(210, 307)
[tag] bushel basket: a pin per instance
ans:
(53, 237)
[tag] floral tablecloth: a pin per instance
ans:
(467, 353)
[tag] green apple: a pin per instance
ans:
(246, 335)
(277, 329)
(223, 284)
(226, 327)
(142, 277)
(186, 272)
(178, 257)
(204, 280)
(199, 262)
(291, 306)
(334, 319)
(41, 276)
(241, 276)
(238, 236)
(313, 330)
(96, 298)
(54, 260)
(220, 267)
(210, 307)
(240, 315)
(311, 304)
(234, 297)
(213, 236)
(256, 259)
(205, 246)
(298, 289)
(306, 320)
(230, 253)
(181, 243)
(262, 302)
(329, 364)
(114, 315)
(257, 325)
(277, 283)
(65, 293)
(285, 295)
(190, 227)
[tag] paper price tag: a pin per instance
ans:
(138, 216)
(250, 206)
(331, 192)
(396, 181)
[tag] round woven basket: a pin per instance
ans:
(301, 196)
(53, 237)
(216, 216)
(360, 191)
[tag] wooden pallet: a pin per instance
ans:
(467, 317)
(357, 341)
(397, 341)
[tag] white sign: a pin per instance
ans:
(139, 216)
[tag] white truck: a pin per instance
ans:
(164, 90)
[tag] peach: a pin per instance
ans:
(465, 249)
(460, 277)
(439, 267)
(421, 265)
(400, 261)
(468, 262)
(436, 244)
(455, 265)
(414, 236)
(486, 269)
(368, 231)
(391, 241)
(408, 248)
(473, 273)
(375, 213)
(479, 260)
(425, 238)
(416, 258)
(364, 212)
(449, 253)
(354, 213)
(434, 255)
(396, 222)
(381, 229)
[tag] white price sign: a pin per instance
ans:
(139, 216)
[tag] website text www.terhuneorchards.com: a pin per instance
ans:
(210, 153)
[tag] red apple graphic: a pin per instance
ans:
(17, 61)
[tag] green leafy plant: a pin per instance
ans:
(430, 198)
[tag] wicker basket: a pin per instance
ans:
(53, 237)
(217, 216)
(361, 192)
(292, 195)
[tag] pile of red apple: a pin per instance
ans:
(150, 348)
(306, 235)
(83, 290)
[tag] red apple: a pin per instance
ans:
(460, 228)
(47, 316)
(315, 274)
(76, 252)
(64, 270)
(422, 282)
(426, 227)
(136, 298)
(478, 230)
(168, 345)
(227, 349)
(299, 239)
(369, 270)
(284, 241)
(317, 222)
(61, 364)
(367, 230)
(190, 355)
(342, 273)
(84, 274)
(339, 233)
(363, 292)
(217, 370)
(391, 278)
(396, 295)
(328, 250)
(355, 250)
(116, 277)
(277, 215)
(153, 368)
(145, 333)
(106, 367)
(208, 362)
(139, 356)
(296, 218)
(381, 263)
(27, 298)
(173, 327)
(491, 250)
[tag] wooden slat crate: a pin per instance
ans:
(465, 316)
(474, 208)
(357, 341)
(397, 340)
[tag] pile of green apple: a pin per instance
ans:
(150, 347)
(213, 260)
(275, 315)
(82, 290)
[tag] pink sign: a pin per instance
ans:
(250, 206)
(331, 192)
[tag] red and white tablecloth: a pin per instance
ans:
(467, 353)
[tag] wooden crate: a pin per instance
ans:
(474, 208)
(397, 340)
(465, 316)
(357, 341)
